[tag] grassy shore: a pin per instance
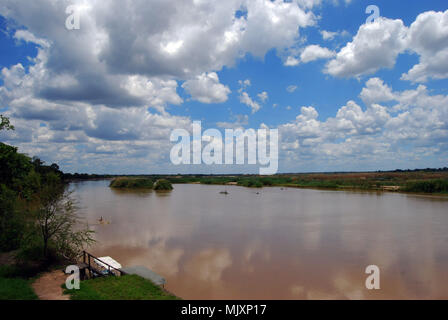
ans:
(13, 286)
(413, 181)
(128, 287)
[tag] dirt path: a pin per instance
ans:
(48, 286)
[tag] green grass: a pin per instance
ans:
(128, 287)
(13, 288)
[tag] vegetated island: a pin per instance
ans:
(163, 185)
(131, 183)
(141, 183)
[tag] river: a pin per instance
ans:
(274, 243)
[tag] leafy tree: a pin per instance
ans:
(5, 123)
(11, 223)
(59, 223)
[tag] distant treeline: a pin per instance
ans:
(88, 176)
(423, 170)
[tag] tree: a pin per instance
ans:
(5, 124)
(60, 224)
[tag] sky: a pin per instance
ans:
(345, 93)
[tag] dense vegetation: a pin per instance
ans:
(128, 287)
(163, 185)
(131, 183)
(431, 186)
(37, 214)
(38, 217)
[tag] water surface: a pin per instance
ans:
(278, 244)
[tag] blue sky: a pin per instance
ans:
(105, 98)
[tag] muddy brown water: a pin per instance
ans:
(278, 244)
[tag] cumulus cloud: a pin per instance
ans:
(108, 87)
(206, 88)
(376, 91)
(308, 54)
(414, 128)
(375, 46)
(247, 100)
(88, 91)
(428, 37)
(315, 52)
(328, 35)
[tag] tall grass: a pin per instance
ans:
(431, 186)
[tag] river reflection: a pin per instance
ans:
(278, 244)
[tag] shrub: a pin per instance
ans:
(163, 184)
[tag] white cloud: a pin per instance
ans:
(308, 54)
(315, 52)
(376, 91)
(428, 37)
(415, 128)
(375, 46)
(206, 88)
(291, 61)
(263, 96)
(291, 88)
(89, 90)
(247, 100)
(328, 35)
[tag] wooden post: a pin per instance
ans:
(90, 269)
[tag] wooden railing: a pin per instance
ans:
(96, 270)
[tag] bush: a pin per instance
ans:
(250, 183)
(163, 184)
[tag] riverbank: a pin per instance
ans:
(433, 182)
(127, 287)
